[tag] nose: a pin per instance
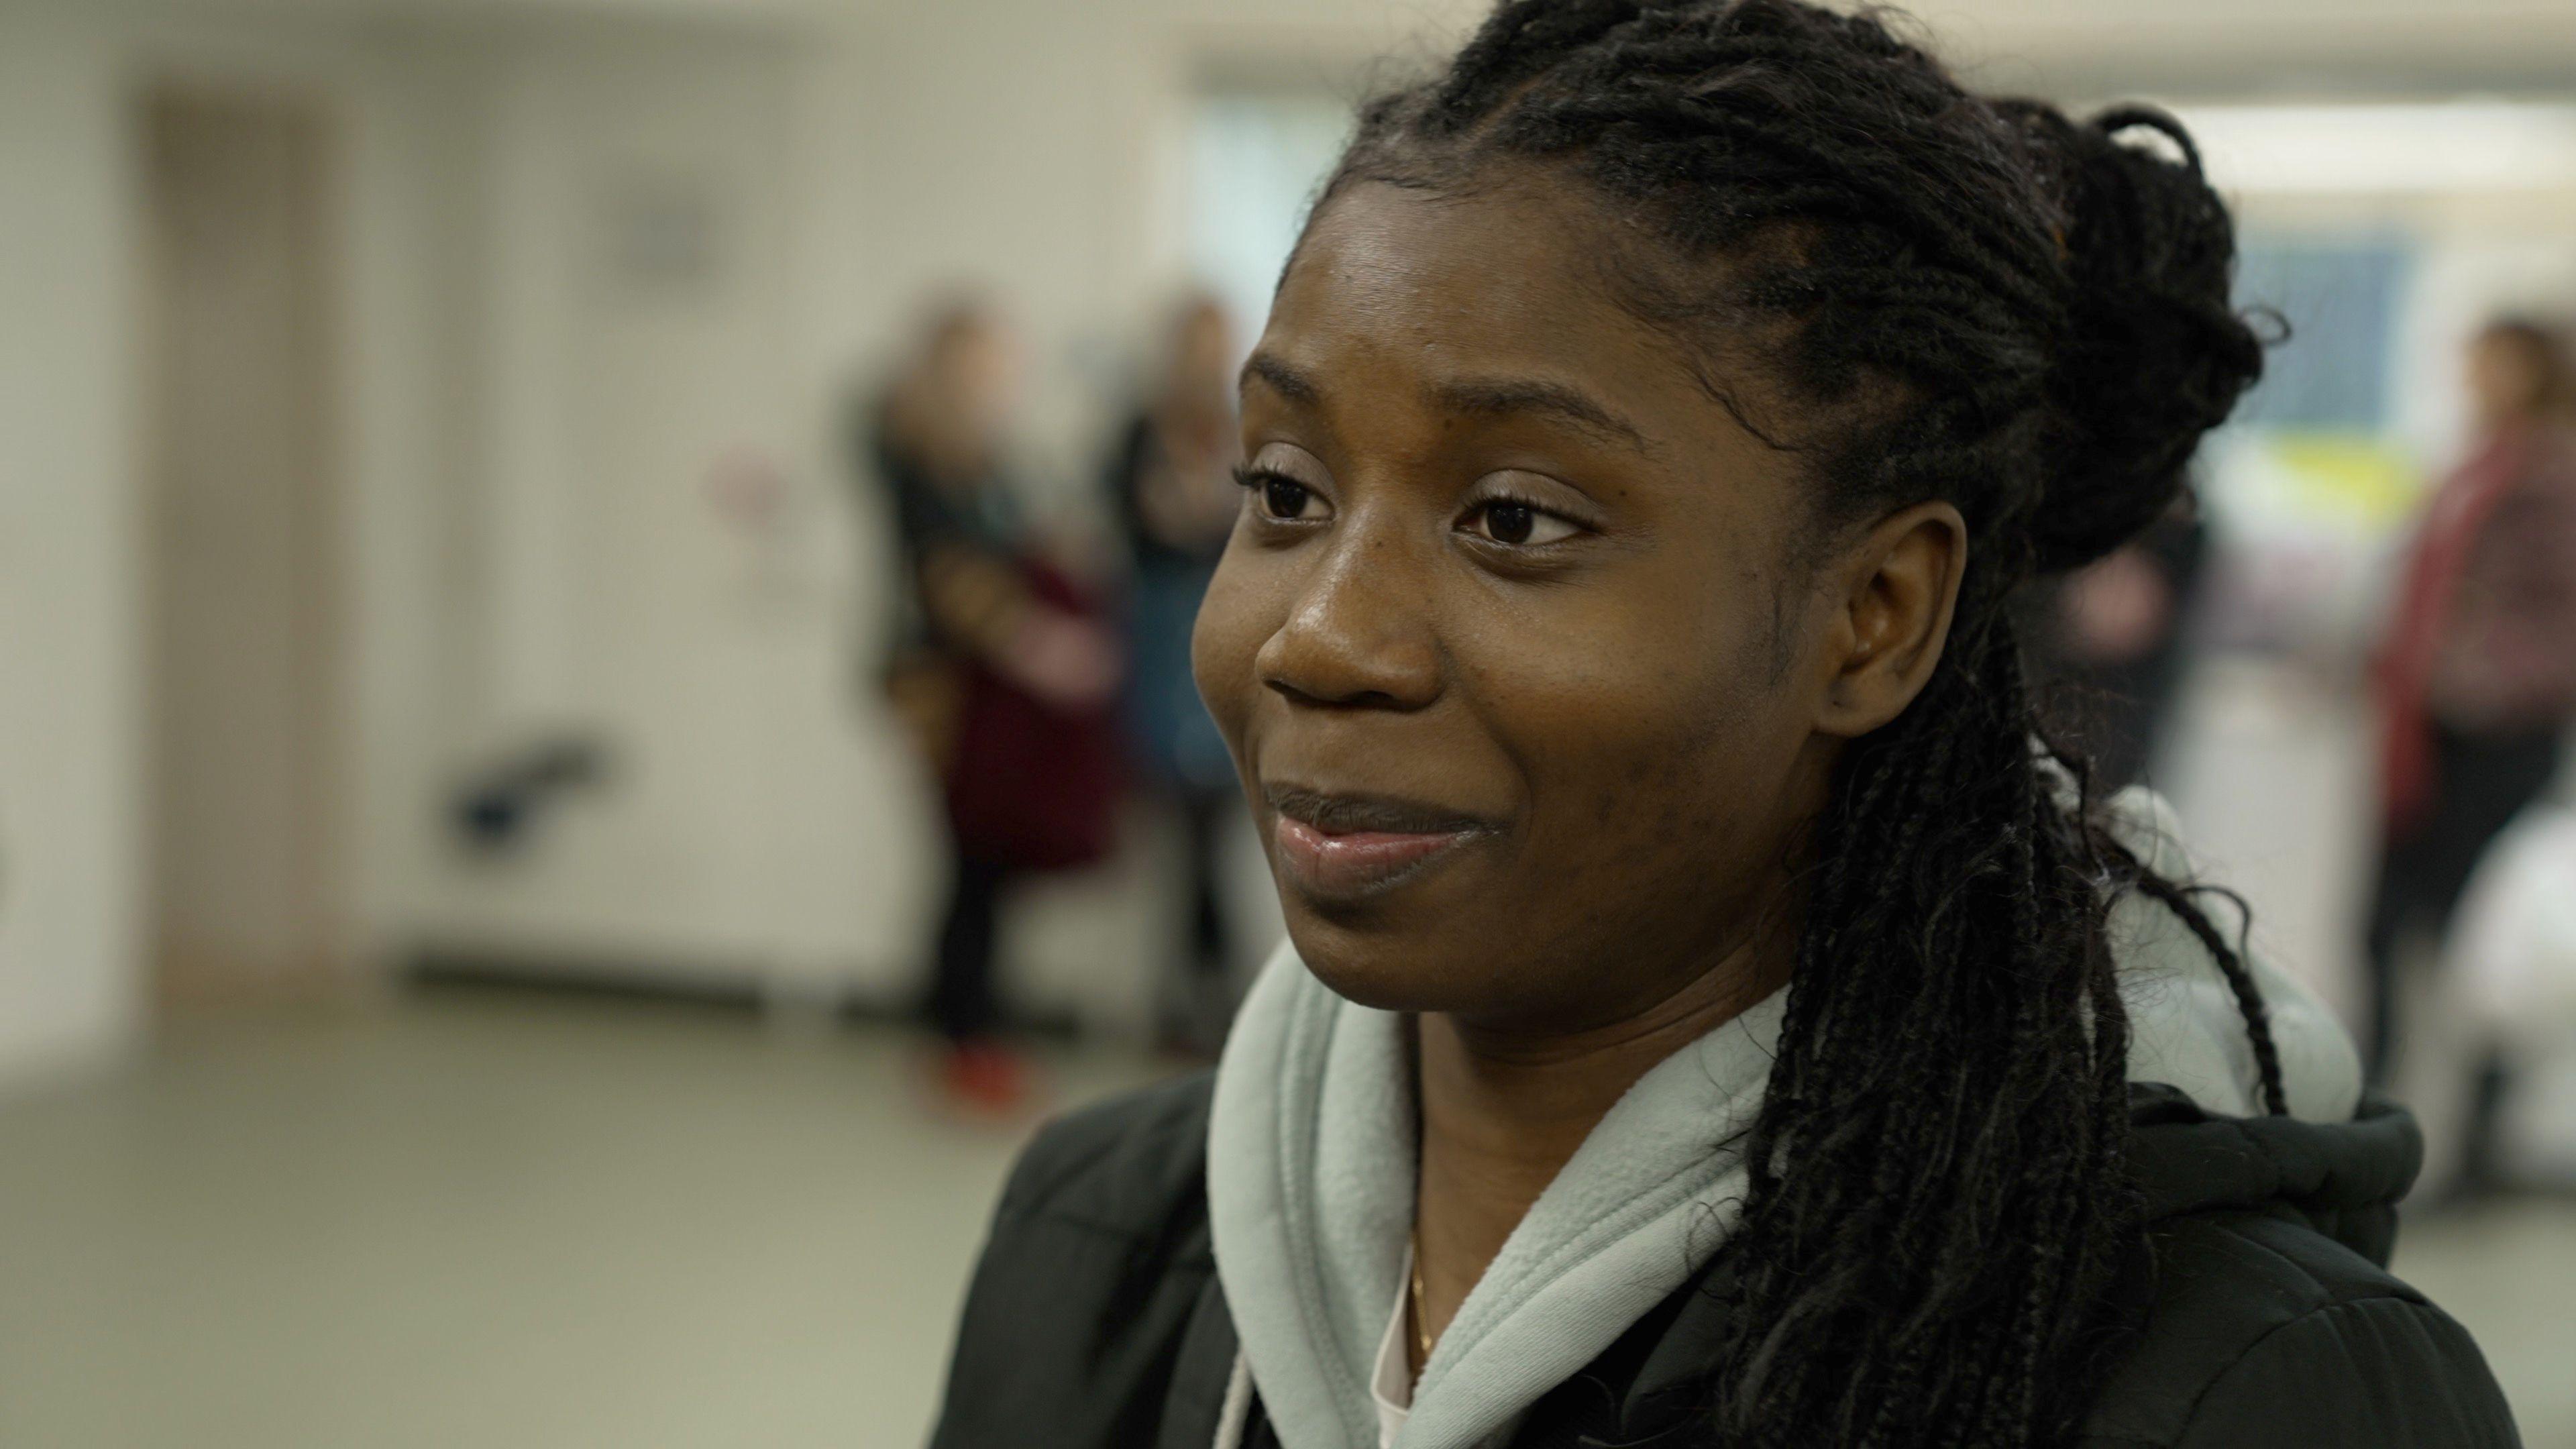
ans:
(1360, 633)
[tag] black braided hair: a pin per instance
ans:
(1926, 294)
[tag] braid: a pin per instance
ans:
(2240, 980)
(1955, 298)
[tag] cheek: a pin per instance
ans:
(1659, 765)
(1234, 619)
(1663, 736)
(1677, 738)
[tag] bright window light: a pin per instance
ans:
(2457, 146)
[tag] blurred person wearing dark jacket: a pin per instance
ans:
(2109, 645)
(2477, 674)
(1171, 487)
(1004, 670)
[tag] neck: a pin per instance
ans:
(1504, 1108)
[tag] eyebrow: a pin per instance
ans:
(1483, 397)
(1282, 379)
(1506, 397)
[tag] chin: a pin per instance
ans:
(1391, 970)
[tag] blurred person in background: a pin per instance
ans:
(2109, 644)
(1005, 671)
(2476, 676)
(1706, 1018)
(1171, 486)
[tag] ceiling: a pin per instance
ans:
(2059, 47)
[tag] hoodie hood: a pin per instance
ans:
(2186, 1029)
(2343, 1178)
(1311, 1163)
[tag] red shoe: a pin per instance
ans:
(987, 1078)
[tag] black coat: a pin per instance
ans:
(1095, 1320)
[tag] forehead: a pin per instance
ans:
(1504, 279)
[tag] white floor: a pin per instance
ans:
(503, 1222)
(493, 1223)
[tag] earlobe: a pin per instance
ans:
(1900, 585)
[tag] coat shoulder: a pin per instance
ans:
(1093, 1310)
(2266, 1332)
(1127, 1166)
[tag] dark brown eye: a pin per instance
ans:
(1517, 525)
(1285, 498)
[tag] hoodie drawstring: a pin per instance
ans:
(1230, 1419)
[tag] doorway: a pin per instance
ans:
(240, 537)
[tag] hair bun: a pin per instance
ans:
(2155, 354)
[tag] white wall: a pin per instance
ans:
(755, 817)
(73, 686)
(69, 709)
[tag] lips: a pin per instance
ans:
(1349, 847)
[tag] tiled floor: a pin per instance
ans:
(511, 1223)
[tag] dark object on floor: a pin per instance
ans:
(496, 809)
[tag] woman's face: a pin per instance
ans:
(2508, 379)
(1512, 641)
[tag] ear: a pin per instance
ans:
(1893, 590)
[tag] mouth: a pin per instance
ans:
(1347, 848)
